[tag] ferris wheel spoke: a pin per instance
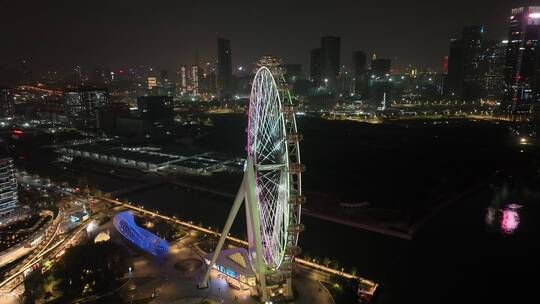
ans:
(266, 139)
(272, 146)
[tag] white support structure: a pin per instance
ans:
(246, 192)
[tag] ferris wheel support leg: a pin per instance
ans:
(234, 211)
(254, 221)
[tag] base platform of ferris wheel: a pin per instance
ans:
(168, 283)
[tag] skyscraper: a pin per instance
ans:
(454, 86)
(445, 65)
(274, 64)
(84, 103)
(464, 62)
(224, 66)
(359, 63)
(195, 74)
(522, 75)
(9, 198)
(183, 79)
(77, 76)
(293, 72)
(208, 82)
(492, 68)
(26, 72)
(151, 82)
(381, 67)
(6, 102)
(330, 61)
(315, 67)
(472, 54)
(359, 72)
(163, 77)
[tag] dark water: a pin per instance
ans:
(401, 166)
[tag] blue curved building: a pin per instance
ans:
(124, 222)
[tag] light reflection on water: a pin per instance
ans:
(505, 219)
(510, 219)
(504, 215)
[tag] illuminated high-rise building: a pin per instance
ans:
(151, 82)
(445, 65)
(522, 75)
(224, 69)
(274, 64)
(183, 79)
(195, 81)
(84, 104)
(7, 108)
(207, 83)
(464, 64)
(77, 76)
(492, 69)
(472, 54)
(9, 199)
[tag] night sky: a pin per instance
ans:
(58, 34)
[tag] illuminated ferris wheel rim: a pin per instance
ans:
(269, 150)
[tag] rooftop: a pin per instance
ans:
(235, 259)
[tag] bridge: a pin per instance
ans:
(170, 181)
(40, 89)
(137, 188)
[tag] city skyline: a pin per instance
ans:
(127, 34)
(349, 152)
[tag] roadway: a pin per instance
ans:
(53, 243)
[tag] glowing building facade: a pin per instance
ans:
(522, 73)
(9, 199)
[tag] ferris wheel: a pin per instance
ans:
(271, 186)
(273, 145)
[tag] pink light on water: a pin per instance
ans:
(509, 221)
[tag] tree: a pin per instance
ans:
(82, 182)
(91, 268)
(326, 262)
(33, 287)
